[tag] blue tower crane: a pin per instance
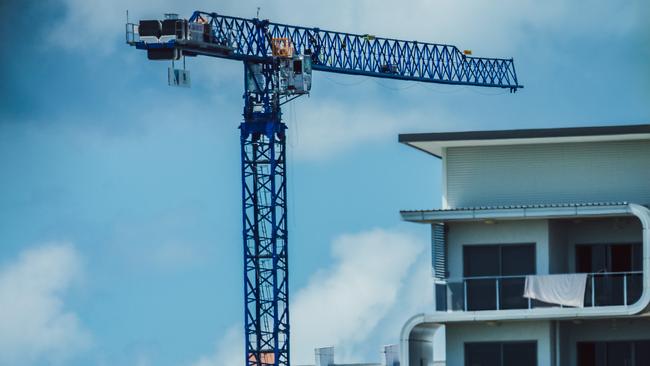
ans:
(278, 62)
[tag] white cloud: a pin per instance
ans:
(341, 306)
(229, 350)
(34, 324)
(372, 283)
(484, 26)
(329, 128)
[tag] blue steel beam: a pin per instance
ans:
(346, 53)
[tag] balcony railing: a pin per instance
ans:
(506, 292)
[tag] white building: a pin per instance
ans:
(532, 203)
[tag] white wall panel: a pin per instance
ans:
(548, 173)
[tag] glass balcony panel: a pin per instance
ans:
(441, 297)
(511, 293)
(541, 304)
(634, 287)
(588, 292)
(504, 293)
(481, 294)
(609, 289)
(456, 295)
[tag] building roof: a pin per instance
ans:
(596, 209)
(434, 143)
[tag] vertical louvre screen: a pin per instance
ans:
(439, 251)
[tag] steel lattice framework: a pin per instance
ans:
(365, 54)
(263, 154)
(264, 192)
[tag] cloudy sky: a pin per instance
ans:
(120, 200)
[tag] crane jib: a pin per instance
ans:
(345, 53)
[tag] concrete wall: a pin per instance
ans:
(623, 329)
(500, 232)
(547, 173)
(557, 247)
(459, 334)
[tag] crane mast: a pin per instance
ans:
(264, 193)
(278, 62)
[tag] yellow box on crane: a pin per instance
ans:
(282, 47)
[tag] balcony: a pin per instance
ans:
(506, 292)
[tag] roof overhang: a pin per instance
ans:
(550, 211)
(435, 143)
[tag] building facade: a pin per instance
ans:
(541, 249)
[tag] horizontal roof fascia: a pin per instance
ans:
(434, 143)
(525, 212)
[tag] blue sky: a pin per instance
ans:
(120, 201)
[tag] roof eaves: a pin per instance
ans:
(525, 133)
(517, 211)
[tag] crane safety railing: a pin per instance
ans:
(346, 53)
(506, 292)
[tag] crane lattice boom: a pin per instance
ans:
(250, 40)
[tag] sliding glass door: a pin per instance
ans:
(495, 275)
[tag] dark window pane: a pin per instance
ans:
(481, 260)
(481, 294)
(592, 354)
(482, 354)
(517, 259)
(621, 258)
(599, 258)
(601, 354)
(583, 258)
(586, 354)
(608, 258)
(642, 353)
(619, 353)
(511, 293)
(520, 354)
(637, 258)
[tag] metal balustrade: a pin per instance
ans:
(506, 292)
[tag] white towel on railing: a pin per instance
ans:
(561, 289)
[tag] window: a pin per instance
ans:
(496, 261)
(628, 353)
(501, 354)
(591, 258)
(297, 67)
